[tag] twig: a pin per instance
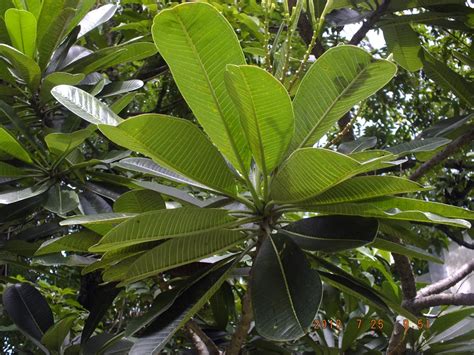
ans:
(457, 299)
(369, 23)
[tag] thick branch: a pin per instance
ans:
(457, 299)
(203, 344)
(369, 23)
(238, 339)
(448, 282)
(407, 279)
(449, 150)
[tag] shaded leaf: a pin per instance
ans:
(78, 242)
(61, 200)
(139, 201)
(11, 146)
(54, 337)
(407, 250)
(404, 43)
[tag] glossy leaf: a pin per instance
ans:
(62, 143)
(265, 112)
(19, 194)
(164, 224)
(156, 135)
(332, 233)
(404, 43)
(55, 79)
(85, 105)
(28, 309)
(96, 18)
(407, 250)
(148, 166)
(365, 187)
(11, 146)
(139, 201)
(21, 26)
(309, 172)
(55, 336)
(197, 42)
(61, 200)
(339, 79)
(121, 87)
(358, 145)
(181, 251)
(78, 242)
(418, 145)
(23, 66)
(287, 312)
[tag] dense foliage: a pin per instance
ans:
(234, 176)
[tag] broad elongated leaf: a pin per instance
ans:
(54, 337)
(12, 147)
(121, 87)
(139, 201)
(164, 224)
(181, 251)
(103, 218)
(28, 309)
(159, 332)
(53, 20)
(311, 171)
(359, 145)
(61, 200)
(85, 105)
(338, 80)
(63, 143)
(96, 18)
(157, 135)
(402, 209)
(148, 166)
(79, 242)
(418, 145)
(365, 187)
(121, 103)
(23, 66)
(405, 250)
(404, 43)
(7, 170)
(197, 43)
(448, 79)
(21, 26)
(287, 312)
(332, 233)
(55, 79)
(265, 111)
(11, 196)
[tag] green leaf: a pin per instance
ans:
(197, 42)
(447, 320)
(78, 242)
(11, 196)
(61, 144)
(102, 218)
(139, 201)
(332, 233)
(21, 26)
(156, 136)
(407, 250)
(339, 79)
(309, 172)
(402, 209)
(181, 251)
(96, 18)
(164, 224)
(358, 145)
(157, 335)
(7, 170)
(23, 66)
(418, 145)
(148, 166)
(28, 309)
(442, 75)
(12, 147)
(55, 79)
(111, 56)
(61, 200)
(53, 23)
(120, 87)
(265, 111)
(120, 104)
(286, 292)
(54, 337)
(404, 43)
(85, 105)
(365, 187)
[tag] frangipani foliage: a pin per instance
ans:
(257, 155)
(275, 198)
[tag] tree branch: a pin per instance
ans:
(242, 330)
(407, 278)
(451, 148)
(203, 344)
(369, 23)
(457, 299)
(448, 282)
